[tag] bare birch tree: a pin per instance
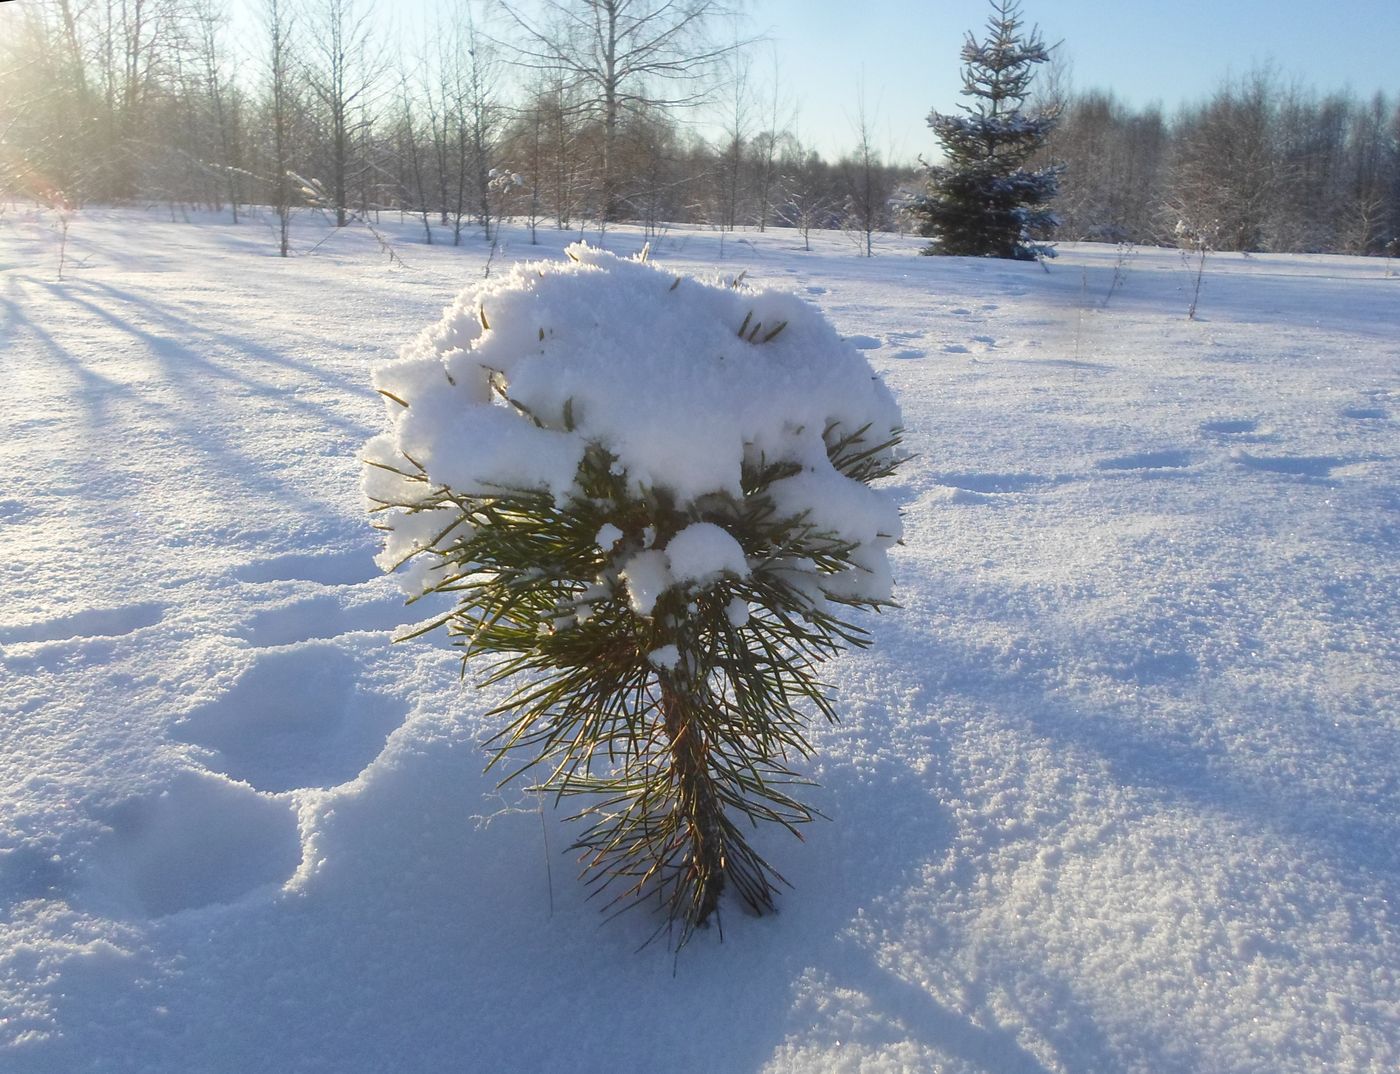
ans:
(279, 115)
(619, 56)
(343, 78)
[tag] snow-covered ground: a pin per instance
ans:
(1117, 788)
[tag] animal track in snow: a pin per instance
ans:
(902, 341)
(324, 616)
(1147, 460)
(201, 841)
(864, 343)
(1066, 363)
(1366, 413)
(31, 871)
(349, 566)
(13, 511)
(1315, 466)
(92, 623)
(996, 484)
(297, 718)
(1229, 426)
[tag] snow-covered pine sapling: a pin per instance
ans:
(650, 499)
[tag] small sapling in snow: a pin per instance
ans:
(650, 499)
(1125, 251)
(1197, 241)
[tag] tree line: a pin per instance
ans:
(1259, 165)
(155, 101)
(147, 100)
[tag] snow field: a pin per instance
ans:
(1115, 789)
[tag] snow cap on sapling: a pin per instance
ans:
(652, 495)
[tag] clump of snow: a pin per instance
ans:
(737, 612)
(647, 575)
(683, 383)
(703, 551)
(668, 657)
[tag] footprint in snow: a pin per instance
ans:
(32, 870)
(1147, 460)
(902, 340)
(1229, 426)
(865, 343)
(91, 623)
(298, 718)
(994, 484)
(349, 566)
(13, 511)
(1068, 363)
(816, 290)
(1311, 466)
(201, 841)
(325, 616)
(956, 348)
(1366, 413)
(961, 312)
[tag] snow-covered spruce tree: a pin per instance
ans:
(984, 202)
(650, 498)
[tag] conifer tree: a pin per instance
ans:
(649, 499)
(984, 202)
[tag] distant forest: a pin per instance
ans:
(153, 101)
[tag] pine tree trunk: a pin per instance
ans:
(701, 828)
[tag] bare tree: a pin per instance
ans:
(737, 122)
(466, 119)
(411, 154)
(766, 148)
(138, 40)
(620, 56)
(809, 200)
(279, 115)
(527, 143)
(479, 114)
(1227, 168)
(343, 77)
(1114, 169)
(41, 84)
(221, 94)
(866, 180)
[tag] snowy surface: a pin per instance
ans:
(1117, 789)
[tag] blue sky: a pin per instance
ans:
(1171, 52)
